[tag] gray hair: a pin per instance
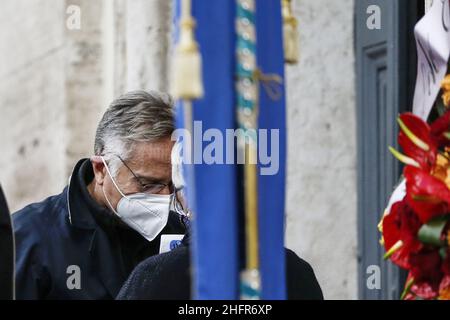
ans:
(137, 116)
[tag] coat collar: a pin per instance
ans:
(85, 213)
(77, 194)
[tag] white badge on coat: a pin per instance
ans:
(170, 242)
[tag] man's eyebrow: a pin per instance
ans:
(151, 179)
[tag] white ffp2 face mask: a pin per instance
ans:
(145, 213)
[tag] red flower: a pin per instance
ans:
(426, 271)
(439, 127)
(423, 290)
(427, 174)
(417, 140)
(418, 291)
(428, 196)
(401, 224)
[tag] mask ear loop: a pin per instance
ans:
(112, 179)
(176, 204)
(104, 193)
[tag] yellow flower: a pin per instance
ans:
(445, 85)
(444, 294)
(441, 169)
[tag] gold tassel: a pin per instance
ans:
(187, 81)
(290, 34)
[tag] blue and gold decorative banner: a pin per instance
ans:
(241, 46)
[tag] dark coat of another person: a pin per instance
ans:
(167, 277)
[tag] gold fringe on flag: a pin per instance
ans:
(290, 34)
(187, 81)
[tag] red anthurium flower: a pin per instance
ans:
(423, 290)
(401, 224)
(428, 196)
(417, 141)
(426, 271)
(418, 291)
(439, 127)
(427, 173)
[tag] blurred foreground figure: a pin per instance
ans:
(6, 251)
(167, 276)
(84, 242)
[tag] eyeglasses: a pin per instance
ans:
(152, 188)
(177, 206)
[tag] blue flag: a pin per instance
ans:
(214, 190)
(272, 115)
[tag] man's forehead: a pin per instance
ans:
(155, 153)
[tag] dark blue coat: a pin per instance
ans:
(69, 237)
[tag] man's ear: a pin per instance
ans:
(99, 169)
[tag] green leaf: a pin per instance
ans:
(430, 233)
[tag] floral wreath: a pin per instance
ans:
(416, 229)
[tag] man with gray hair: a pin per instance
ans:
(84, 242)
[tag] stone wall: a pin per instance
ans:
(32, 99)
(55, 82)
(321, 179)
